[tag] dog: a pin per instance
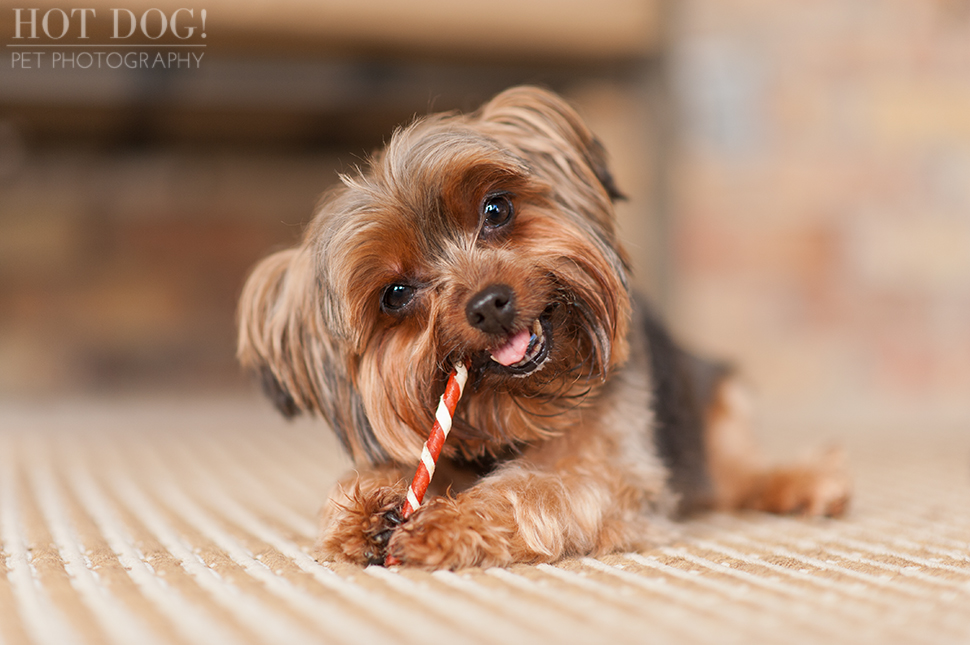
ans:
(490, 238)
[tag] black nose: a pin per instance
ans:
(492, 310)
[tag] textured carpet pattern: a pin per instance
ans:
(155, 523)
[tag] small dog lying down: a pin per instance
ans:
(490, 238)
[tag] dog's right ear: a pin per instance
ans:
(284, 337)
(273, 312)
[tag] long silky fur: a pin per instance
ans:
(566, 460)
(310, 317)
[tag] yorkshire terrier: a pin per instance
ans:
(490, 238)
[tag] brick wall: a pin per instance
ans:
(821, 227)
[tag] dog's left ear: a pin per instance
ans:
(597, 160)
(541, 115)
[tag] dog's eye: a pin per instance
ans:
(497, 210)
(396, 297)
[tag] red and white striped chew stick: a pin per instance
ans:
(439, 432)
(432, 447)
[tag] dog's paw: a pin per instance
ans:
(359, 528)
(820, 487)
(444, 535)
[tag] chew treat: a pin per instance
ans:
(432, 447)
(439, 432)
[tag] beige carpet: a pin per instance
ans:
(190, 522)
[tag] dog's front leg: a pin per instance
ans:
(361, 514)
(530, 512)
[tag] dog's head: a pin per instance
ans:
(487, 238)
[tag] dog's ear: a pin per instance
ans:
(596, 156)
(271, 313)
(541, 115)
(284, 338)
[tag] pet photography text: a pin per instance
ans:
(82, 38)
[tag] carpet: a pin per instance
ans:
(191, 521)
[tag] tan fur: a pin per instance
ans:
(556, 462)
(353, 519)
(589, 492)
(743, 479)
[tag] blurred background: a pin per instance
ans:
(798, 173)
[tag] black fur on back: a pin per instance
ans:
(683, 386)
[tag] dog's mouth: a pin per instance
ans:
(525, 351)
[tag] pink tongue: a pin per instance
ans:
(514, 350)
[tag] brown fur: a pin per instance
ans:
(560, 461)
(743, 479)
